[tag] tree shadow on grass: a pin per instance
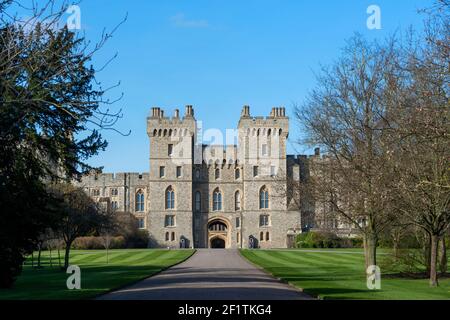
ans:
(328, 293)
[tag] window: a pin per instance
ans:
(96, 192)
(141, 223)
(170, 150)
(238, 222)
(255, 171)
(264, 198)
(237, 174)
(264, 220)
(173, 236)
(217, 200)
(167, 236)
(217, 174)
(179, 172)
(218, 226)
(170, 198)
(140, 201)
(264, 150)
(162, 172)
(267, 236)
(114, 192)
(261, 236)
(169, 221)
(237, 201)
(198, 201)
(273, 171)
(114, 205)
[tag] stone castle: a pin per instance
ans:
(212, 196)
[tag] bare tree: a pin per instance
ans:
(346, 116)
(81, 216)
(419, 96)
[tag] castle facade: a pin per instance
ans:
(235, 195)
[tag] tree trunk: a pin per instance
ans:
(395, 248)
(67, 255)
(51, 262)
(59, 257)
(396, 243)
(443, 263)
(370, 249)
(433, 260)
(427, 253)
(39, 255)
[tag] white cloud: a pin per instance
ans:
(180, 20)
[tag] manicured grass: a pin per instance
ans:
(97, 277)
(340, 274)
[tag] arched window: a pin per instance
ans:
(217, 200)
(264, 198)
(167, 236)
(218, 226)
(140, 201)
(170, 198)
(237, 174)
(237, 201)
(217, 174)
(173, 236)
(267, 236)
(261, 236)
(198, 201)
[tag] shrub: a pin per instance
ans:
(96, 243)
(325, 240)
(357, 242)
(138, 239)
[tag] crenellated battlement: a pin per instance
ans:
(276, 124)
(113, 179)
(159, 125)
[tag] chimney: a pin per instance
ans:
(317, 151)
(189, 111)
(245, 111)
(176, 114)
(161, 114)
(156, 112)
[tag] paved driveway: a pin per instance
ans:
(209, 275)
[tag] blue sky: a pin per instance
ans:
(221, 55)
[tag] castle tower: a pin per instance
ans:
(170, 178)
(262, 153)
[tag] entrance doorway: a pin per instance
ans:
(217, 243)
(218, 237)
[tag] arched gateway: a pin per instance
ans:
(218, 234)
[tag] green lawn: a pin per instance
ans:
(340, 274)
(125, 267)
